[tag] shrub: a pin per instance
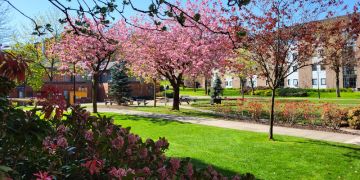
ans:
(291, 92)
(293, 112)
(82, 146)
(265, 92)
(255, 109)
(354, 118)
(331, 116)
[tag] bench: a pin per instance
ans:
(139, 101)
(187, 99)
(108, 101)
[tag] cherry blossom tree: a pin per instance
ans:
(92, 53)
(282, 35)
(183, 49)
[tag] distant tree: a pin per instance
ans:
(119, 85)
(4, 20)
(243, 67)
(216, 89)
(35, 73)
(338, 39)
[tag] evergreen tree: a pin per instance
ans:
(119, 84)
(216, 89)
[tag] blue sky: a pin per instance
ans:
(37, 7)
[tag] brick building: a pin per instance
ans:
(83, 87)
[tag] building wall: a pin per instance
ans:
(305, 77)
(331, 78)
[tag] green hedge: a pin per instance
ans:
(295, 92)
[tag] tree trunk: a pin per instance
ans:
(242, 84)
(154, 80)
(95, 84)
(194, 85)
(337, 83)
(176, 101)
(206, 87)
(252, 86)
(271, 137)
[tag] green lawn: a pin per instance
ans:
(236, 92)
(232, 151)
(167, 110)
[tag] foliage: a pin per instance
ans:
(81, 146)
(294, 112)
(36, 72)
(291, 92)
(84, 146)
(91, 53)
(354, 118)
(295, 92)
(5, 86)
(255, 109)
(119, 85)
(216, 88)
(12, 66)
(183, 49)
(332, 116)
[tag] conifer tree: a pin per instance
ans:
(119, 84)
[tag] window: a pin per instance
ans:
(323, 81)
(288, 82)
(295, 68)
(314, 82)
(322, 67)
(295, 82)
(314, 67)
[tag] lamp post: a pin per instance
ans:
(318, 77)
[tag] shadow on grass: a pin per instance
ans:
(353, 154)
(156, 120)
(201, 164)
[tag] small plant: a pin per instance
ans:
(331, 116)
(216, 89)
(255, 109)
(354, 118)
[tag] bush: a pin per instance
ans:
(291, 92)
(354, 118)
(82, 146)
(332, 116)
(264, 92)
(255, 109)
(294, 112)
(169, 94)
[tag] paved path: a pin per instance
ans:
(311, 134)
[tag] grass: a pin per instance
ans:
(201, 92)
(232, 151)
(167, 110)
(236, 92)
